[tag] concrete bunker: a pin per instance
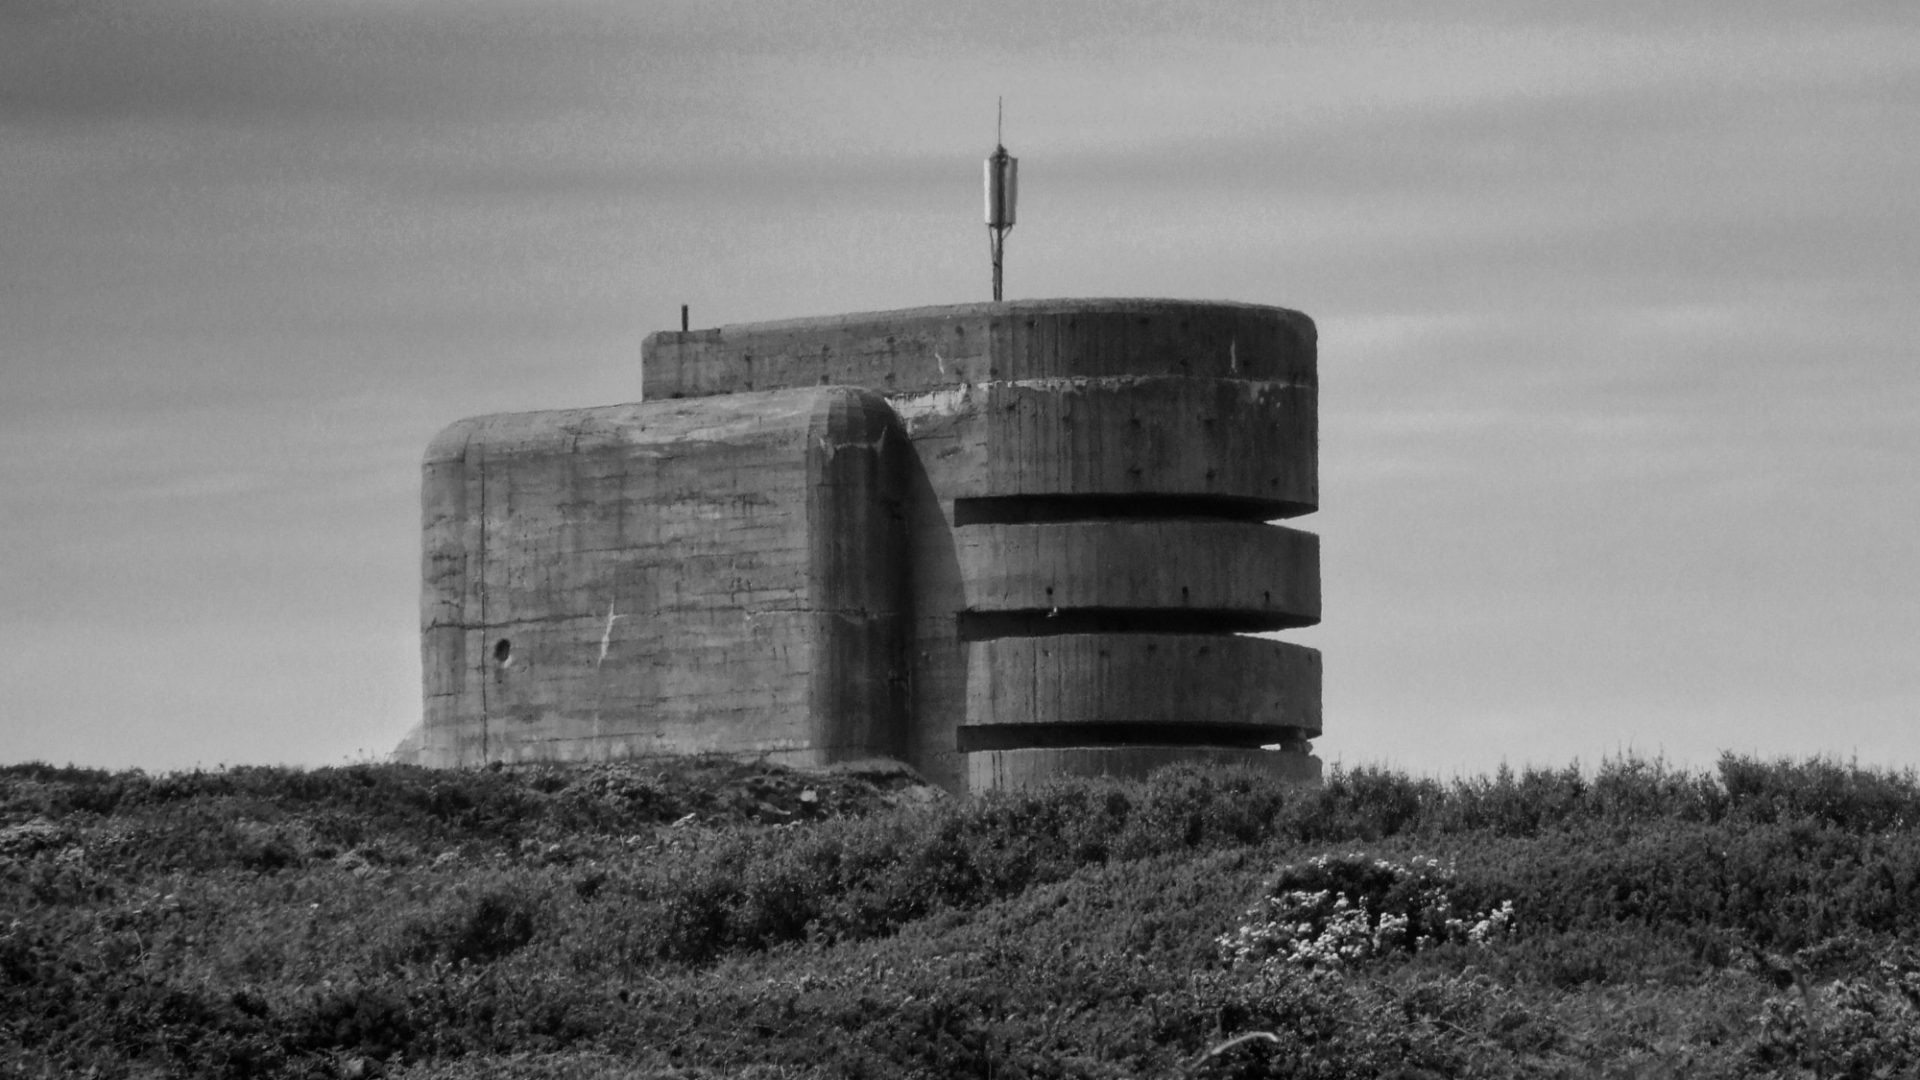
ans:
(1000, 542)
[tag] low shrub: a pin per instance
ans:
(685, 918)
(1335, 910)
(475, 928)
(1851, 1026)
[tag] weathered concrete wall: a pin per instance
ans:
(1068, 503)
(723, 575)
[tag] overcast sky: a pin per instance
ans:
(1620, 410)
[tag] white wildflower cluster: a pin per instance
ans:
(1335, 910)
(1492, 925)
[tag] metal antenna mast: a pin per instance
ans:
(1003, 186)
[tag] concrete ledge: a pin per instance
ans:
(926, 348)
(1001, 770)
(1125, 436)
(1146, 680)
(1267, 574)
(1150, 435)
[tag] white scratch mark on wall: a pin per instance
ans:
(606, 637)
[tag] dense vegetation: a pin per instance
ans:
(703, 918)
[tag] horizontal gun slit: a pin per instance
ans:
(1048, 509)
(984, 737)
(986, 625)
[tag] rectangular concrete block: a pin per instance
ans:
(721, 575)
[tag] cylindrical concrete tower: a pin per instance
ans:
(1089, 522)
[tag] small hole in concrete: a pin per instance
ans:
(502, 651)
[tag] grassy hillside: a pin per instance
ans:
(702, 918)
